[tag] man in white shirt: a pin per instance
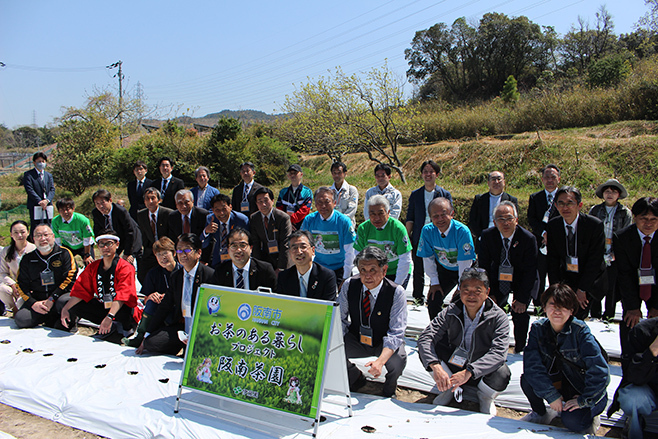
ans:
(347, 196)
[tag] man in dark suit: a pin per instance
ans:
(153, 222)
(636, 254)
(168, 185)
(40, 188)
(575, 243)
(109, 215)
(218, 225)
(136, 188)
(187, 218)
(306, 278)
(508, 253)
(417, 217)
(481, 216)
(270, 229)
(243, 197)
(541, 209)
(162, 336)
(242, 271)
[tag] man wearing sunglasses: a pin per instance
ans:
(242, 271)
(178, 300)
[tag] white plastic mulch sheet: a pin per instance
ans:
(92, 385)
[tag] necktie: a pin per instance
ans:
(266, 223)
(187, 293)
(549, 198)
(223, 235)
(505, 286)
(366, 305)
(186, 224)
(245, 193)
(139, 190)
(108, 223)
(164, 186)
(41, 177)
(240, 281)
(571, 241)
(645, 290)
(153, 226)
(302, 286)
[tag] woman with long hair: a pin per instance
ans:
(10, 258)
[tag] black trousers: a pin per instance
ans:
(165, 340)
(447, 279)
(419, 274)
(95, 312)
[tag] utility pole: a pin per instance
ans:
(119, 75)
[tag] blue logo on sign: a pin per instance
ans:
(244, 312)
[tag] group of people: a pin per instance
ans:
(179, 239)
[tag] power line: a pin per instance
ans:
(51, 69)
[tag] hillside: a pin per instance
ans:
(247, 117)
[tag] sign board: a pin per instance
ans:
(263, 349)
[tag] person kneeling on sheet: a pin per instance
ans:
(373, 312)
(162, 336)
(467, 343)
(105, 292)
(563, 364)
(45, 276)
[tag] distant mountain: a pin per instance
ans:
(247, 117)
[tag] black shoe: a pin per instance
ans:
(360, 382)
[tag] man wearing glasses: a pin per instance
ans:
(105, 293)
(508, 253)
(45, 277)
(575, 243)
(482, 210)
(178, 301)
(242, 271)
(306, 278)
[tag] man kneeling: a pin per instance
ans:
(105, 292)
(467, 343)
(374, 314)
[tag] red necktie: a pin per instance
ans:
(186, 224)
(366, 304)
(153, 224)
(645, 290)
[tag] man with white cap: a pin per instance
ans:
(104, 293)
(615, 217)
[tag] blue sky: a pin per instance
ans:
(206, 56)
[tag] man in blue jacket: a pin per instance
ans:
(40, 188)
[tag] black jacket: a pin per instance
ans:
(168, 198)
(60, 261)
(321, 283)
(125, 227)
(236, 198)
(478, 219)
(627, 246)
(137, 200)
(261, 274)
(537, 206)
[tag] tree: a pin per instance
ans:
(510, 93)
(358, 113)
(649, 21)
(84, 153)
(610, 70)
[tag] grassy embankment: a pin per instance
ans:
(587, 157)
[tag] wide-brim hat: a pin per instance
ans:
(623, 193)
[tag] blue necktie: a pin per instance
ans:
(240, 282)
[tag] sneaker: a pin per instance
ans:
(536, 418)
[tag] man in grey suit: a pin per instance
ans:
(270, 229)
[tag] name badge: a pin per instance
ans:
(506, 274)
(107, 300)
(459, 357)
(272, 246)
(47, 278)
(365, 335)
(572, 264)
(546, 216)
(608, 241)
(224, 257)
(290, 209)
(244, 206)
(647, 276)
(187, 311)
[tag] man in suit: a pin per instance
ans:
(178, 301)
(541, 209)
(481, 216)
(242, 271)
(243, 198)
(508, 253)
(418, 217)
(373, 313)
(136, 188)
(636, 253)
(109, 215)
(203, 193)
(575, 243)
(168, 185)
(219, 224)
(153, 222)
(270, 229)
(40, 188)
(306, 278)
(187, 218)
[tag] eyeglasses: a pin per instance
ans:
(507, 219)
(569, 203)
(302, 247)
(239, 245)
(105, 244)
(43, 235)
(187, 251)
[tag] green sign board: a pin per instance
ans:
(264, 349)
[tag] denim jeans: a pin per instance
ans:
(637, 401)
